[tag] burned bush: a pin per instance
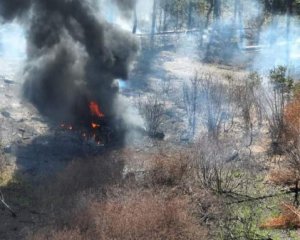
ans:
(206, 101)
(214, 98)
(216, 167)
(152, 110)
(191, 102)
(244, 95)
(276, 98)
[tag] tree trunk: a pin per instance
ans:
(153, 22)
(217, 10)
(237, 11)
(209, 12)
(160, 20)
(135, 21)
(165, 18)
(296, 196)
(289, 12)
(190, 14)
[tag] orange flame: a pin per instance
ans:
(95, 110)
(95, 125)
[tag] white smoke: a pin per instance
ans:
(279, 46)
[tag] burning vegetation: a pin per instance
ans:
(72, 57)
(161, 119)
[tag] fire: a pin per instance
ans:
(95, 125)
(95, 110)
(94, 133)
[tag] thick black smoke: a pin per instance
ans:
(10, 9)
(73, 57)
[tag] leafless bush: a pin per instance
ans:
(215, 106)
(275, 99)
(206, 98)
(168, 169)
(244, 93)
(132, 214)
(245, 103)
(216, 167)
(59, 193)
(152, 110)
(288, 175)
(191, 101)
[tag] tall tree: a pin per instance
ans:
(153, 25)
(209, 11)
(217, 9)
(289, 12)
(135, 20)
(190, 13)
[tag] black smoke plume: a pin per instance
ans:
(72, 56)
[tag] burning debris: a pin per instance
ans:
(95, 110)
(96, 130)
(72, 60)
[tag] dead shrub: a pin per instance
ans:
(152, 110)
(215, 104)
(59, 194)
(215, 167)
(191, 101)
(289, 219)
(292, 120)
(275, 100)
(168, 169)
(134, 215)
(83, 174)
(288, 175)
(244, 95)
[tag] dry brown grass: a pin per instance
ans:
(292, 120)
(91, 200)
(289, 218)
(131, 215)
(168, 169)
(82, 175)
(284, 177)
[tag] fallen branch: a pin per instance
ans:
(252, 199)
(2, 200)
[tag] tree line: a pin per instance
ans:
(188, 14)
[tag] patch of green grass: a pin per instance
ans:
(243, 219)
